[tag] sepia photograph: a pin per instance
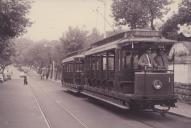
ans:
(95, 63)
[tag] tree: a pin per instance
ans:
(39, 54)
(170, 28)
(13, 23)
(6, 53)
(73, 39)
(22, 47)
(138, 13)
(129, 12)
(156, 9)
(93, 37)
(13, 19)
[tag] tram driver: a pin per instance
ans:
(147, 60)
(161, 59)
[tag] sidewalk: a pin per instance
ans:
(182, 109)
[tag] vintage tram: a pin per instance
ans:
(73, 72)
(109, 71)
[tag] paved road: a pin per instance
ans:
(18, 109)
(64, 109)
(52, 107)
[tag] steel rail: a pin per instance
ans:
(82, 123)
(40, 108)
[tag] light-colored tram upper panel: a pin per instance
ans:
(136, 36)
(129, 37)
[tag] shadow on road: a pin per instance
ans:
(130, 114)
(74, 94)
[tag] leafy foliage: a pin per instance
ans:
(156, 9)
(40, 53)
(170, 28)
(94, 36)
(13, 18)
(13, 23)
(129, 12)
(138, 13)
(73, 39)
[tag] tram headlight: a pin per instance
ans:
(157, 84)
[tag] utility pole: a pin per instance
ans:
(104, 3)
(104, 13)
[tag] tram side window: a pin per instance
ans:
(108, 61)
(79, 67)
(67, 68)
(104, 64)
(64, 68)
(111, 61)
(87, 64)
(70, 68)
(136, 57)
(126, 59)
(95, 63)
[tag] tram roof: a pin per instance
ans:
(148, 40)
(73, 55)
(101, 48)
(69, 59)
(137, 36)
(128, 41)
(134, 33)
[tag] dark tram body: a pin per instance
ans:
(109, 71)
(73, 72)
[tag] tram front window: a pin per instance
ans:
(161, 59)
(156, 59)
(147, 59)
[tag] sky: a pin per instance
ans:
(51, 18)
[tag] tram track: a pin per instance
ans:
(82, 123)
(67, 110)
(151, 124)
(48, 124)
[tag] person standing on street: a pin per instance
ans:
(25, 80)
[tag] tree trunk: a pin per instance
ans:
(133, 25)
(152, 18)
(152, 25)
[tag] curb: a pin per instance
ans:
(184, 116)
